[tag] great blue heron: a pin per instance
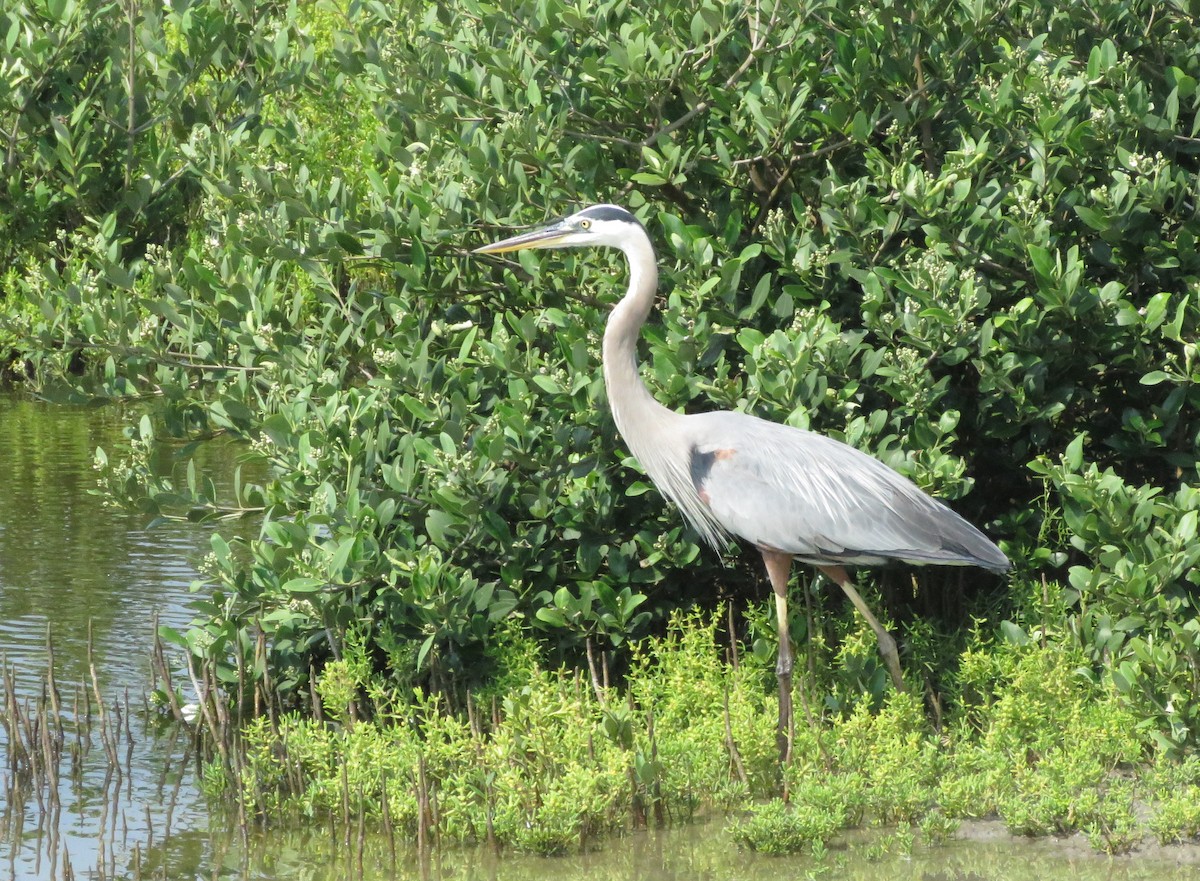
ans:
(793, 494)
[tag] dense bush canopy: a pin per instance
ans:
(961, 237)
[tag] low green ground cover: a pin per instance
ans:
(552, 765)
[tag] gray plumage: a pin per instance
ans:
(793, 494)
(828, 502)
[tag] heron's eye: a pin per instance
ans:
(585, 224)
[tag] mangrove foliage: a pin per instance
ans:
(960, 237)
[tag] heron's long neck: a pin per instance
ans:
(652, 432)
(633, 407)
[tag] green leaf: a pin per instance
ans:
(1156, 309)
(304, 586)
(341, 557)
(861, 128)
(172, 636)
(761, 291)
(418, 409)
(1185, 531)
(546, 384)
(1013, 634)
(648, 179)
(1043, 262)
(551, 616)
(438, 524)
(1074, 452)
(1101, 59)
(1092, 217)
(423, 652)
(351, 244)
(750, 339)
(1182, 82)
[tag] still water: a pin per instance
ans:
(74, 569)
(70, 565)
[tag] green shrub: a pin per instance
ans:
(877, 767)
(551, 766)
(1176, 817)
(778, 828)
(961, 241)
(938, 828)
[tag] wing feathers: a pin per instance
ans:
(820, 499)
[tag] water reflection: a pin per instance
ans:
(77, 569)
(67, 559)
(701, 852)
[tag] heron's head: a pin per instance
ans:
(596, 226)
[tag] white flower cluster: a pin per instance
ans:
(200, 638)
(1028, 208)
(208, 565)
(558, 374)
(385, 358)
(263, 446)
(909, 362)
(1056, 83)
(812, 259)
(939, 272)
(803, 319)
(1147, 165)
(148, 327)
(774, 224)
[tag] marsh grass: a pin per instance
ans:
(548, 766)
(552, 765)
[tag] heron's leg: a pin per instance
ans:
(887, 645)
(779, 570)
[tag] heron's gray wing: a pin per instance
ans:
(822, 500)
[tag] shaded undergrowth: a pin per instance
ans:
(553, 763)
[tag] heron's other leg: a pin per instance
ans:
(887, 645)
(779, 570)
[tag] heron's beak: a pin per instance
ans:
(546, 237)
